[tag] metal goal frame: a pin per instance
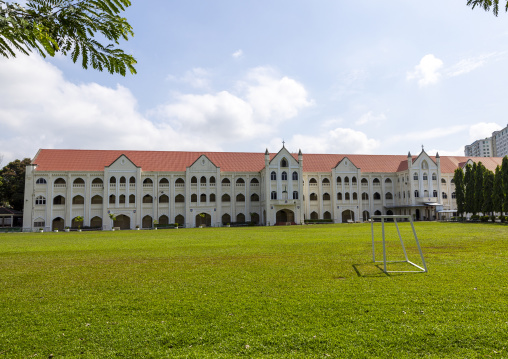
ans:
(383, 218)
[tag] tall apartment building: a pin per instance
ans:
(480, 148)
(500, 142)
(495, 146)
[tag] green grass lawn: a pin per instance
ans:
(280, 292)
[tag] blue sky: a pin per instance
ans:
(327, 77)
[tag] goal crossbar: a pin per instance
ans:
(383, 219)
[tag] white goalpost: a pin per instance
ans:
(384, 261)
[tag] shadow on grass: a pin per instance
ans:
(369, 269)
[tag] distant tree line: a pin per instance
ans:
(478, 190)
(12, 184)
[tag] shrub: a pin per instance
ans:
(493, 218)
(484, 218)
(475, 217)
(502, 218)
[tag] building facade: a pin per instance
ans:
(494, 146)
(219, 188)
(480, 148)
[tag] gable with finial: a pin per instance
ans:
(283, 159)
(203, 164)
(122, 163)
(346, 165)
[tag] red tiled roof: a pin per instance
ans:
(96, 160)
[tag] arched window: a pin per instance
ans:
(364, 182)
(132, 199)
(273, 176)
(240, 218)
(346, 196)
(202, 180)
(339, 196)
(388, 181)
(240, 181)
(284, 176)
(96, 199)
(180, 220)
(164, 199)
(226, 218)
(78, 182)
(377, 213)
(388, 195)
(434, 193)
(452, 181)
(147, 199)
(132, 180)
(194, 180)
(353, 180)
(327, 215)
(365, 196)
(295, 176)
(240, 198)
(425, 177)
(112, 199)
(326, 197)
(148, 182)
(123, 180)
(313, 197)
(112, 180)
(415, 176)
(212, 197)
(377, 196)
(121, 199)
(314, 215)
(194, 198)
(417, 194)
(202, 198)
(40, 201)
(376, 181)
(283, 163)
(254, 180)
(226, 198)
(97, 183)
(212, 179)
(226, 181)
(179, 182)
(355, 196)
(40, 181)
(254, 198)
(312, 181)
(346, 179)
(339, 180)
(443, 181)
(453, 195)
(444, 195)
(434, 177)
(325, 181)
(295, 194)
(425, 165)
(179, 198)
(163, 182)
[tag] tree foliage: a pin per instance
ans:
(498, 193)
(458, 179)
(469, 194)
(488, 190)
(478, 187)
(70, 27)
(487, 5)
(504, 171)
(12, 190)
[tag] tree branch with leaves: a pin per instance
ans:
(69, 27)
(487, 5)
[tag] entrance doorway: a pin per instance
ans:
(348, 215)
(284, 216)
(122, 221)
(203, 219)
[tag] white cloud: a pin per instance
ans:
(371, 118)
(465, 66)
(237, 54)
(338, 140)
(458, 152)
(427, 71)
(198, 78)
(39, 108)
(430, 134)
(482, 130)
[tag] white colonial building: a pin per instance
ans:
(218, 188)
